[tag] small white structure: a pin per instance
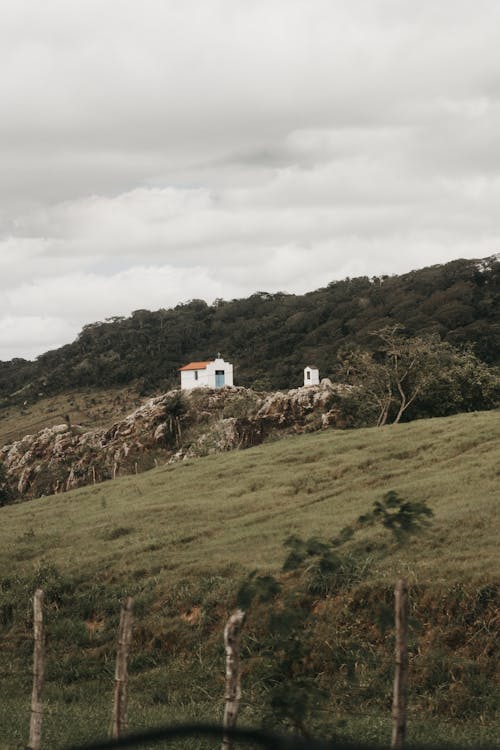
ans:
(311, 375)
(211, 374)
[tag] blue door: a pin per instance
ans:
(219, 378)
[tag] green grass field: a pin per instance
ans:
(180, 538)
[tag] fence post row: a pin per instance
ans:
(401, 671)
(232, 695)
(38, 673)
(121, 673)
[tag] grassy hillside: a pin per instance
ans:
(180, 539)
(208, 512)
(97, 407)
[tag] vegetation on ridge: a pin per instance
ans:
(405, 378)
(271, 337)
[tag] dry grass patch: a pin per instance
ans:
(90, 408)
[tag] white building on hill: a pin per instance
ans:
(311, 375)
(211, 374)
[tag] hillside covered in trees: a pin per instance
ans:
(270, 337)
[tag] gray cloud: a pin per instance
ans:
(156, 151)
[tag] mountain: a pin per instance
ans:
(269, 337)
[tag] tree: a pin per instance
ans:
(462, 383)
(402, 374)
(409, 364)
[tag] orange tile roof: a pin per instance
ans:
(196, 365)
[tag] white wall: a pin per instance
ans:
(311, 376)
(219, 365)
(207, 377)
(189, 380)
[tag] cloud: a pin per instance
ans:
(27, 336)
(169, 150)
(111, 98)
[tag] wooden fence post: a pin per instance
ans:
(38, 664)
(401, 672)
(232, 695)
(121, 674)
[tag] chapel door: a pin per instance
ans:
(219, 378)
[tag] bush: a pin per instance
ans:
(6, 491)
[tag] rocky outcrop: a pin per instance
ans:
(302, 406)
(171, 427)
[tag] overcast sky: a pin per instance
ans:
(154, 151)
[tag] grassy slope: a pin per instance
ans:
(206, 514)
(91, 408)
(183, 532)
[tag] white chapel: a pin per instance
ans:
(214, 373)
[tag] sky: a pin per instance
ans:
(156, 151)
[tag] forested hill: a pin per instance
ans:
(271, 337)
